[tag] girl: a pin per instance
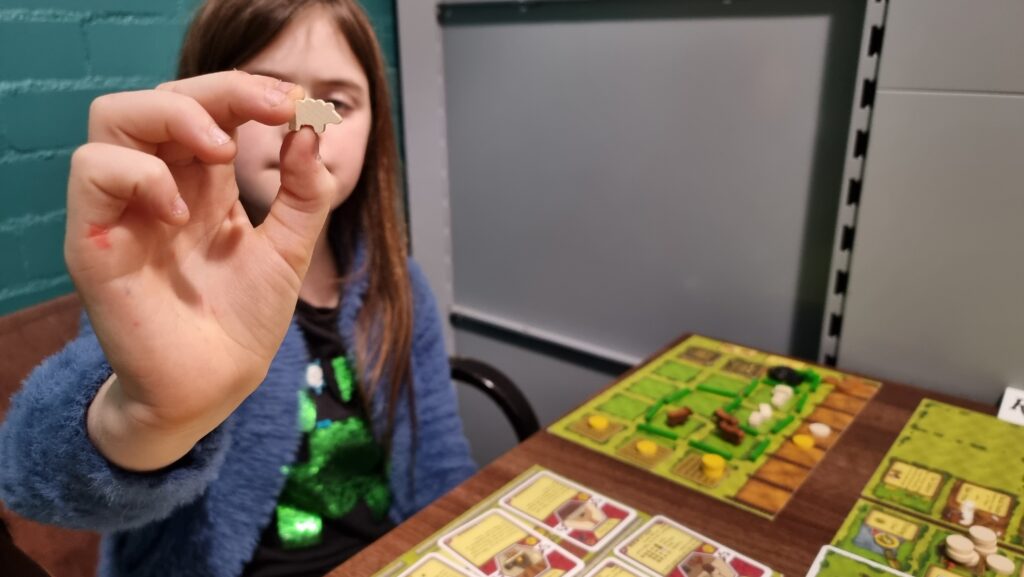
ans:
(202, 420)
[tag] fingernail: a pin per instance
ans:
(218, 136)
(278, 92)
(178, 207)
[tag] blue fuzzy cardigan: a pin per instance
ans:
(203, 515)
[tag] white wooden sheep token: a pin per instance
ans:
(316, 114)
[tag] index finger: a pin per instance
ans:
(235, 97)
(196, 113)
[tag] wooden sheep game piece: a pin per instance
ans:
(316, 114)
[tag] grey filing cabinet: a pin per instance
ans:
(937, 278)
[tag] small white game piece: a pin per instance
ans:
(999, 564)
(765, 409)
(959, 544)
(1011, 409)
(967, 513)
(778, 401)
(755, 419)
(962, 558)
(985, 550)
(969, 560)
(820, 430)
(313, 113)
(981, 535)
(782, 390)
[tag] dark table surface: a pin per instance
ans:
(788, 544)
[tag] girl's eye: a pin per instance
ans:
(338, 104)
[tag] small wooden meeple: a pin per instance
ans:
(314, 113)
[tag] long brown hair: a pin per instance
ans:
(223, 35)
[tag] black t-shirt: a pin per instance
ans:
(336, 498)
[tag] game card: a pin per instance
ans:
(833, 562)
(667, 549)
(434, 565)
(612, 567)
(496, 545)
(568, 510)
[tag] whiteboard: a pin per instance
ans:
(623, 172)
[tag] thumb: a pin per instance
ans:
(298, 214)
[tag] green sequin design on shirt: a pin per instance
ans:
(344, 466)
(307, 412)
(298, 528)
(343, 376)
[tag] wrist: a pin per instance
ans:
(128, 441)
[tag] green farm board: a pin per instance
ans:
(766, 467)
(945, 456)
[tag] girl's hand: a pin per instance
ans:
(189, 301)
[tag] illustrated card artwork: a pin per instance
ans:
(612, 567)
(665, 548)
(832, 562)
(434, 565)
(496, 545)
(568, 510)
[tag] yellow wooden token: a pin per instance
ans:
(712, 462)
(647, 448)
(805, 442)
(598, 422)
(714, 475)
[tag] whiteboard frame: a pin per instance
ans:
(426, 146)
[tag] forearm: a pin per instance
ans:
(120, 436)
(53, 471)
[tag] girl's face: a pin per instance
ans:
(313, 53)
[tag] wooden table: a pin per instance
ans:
(788, 544)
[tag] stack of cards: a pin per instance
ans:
(612, 567)
(434, 565)
(665, 548)
(568, 510)
(547, 525)
(496, 545)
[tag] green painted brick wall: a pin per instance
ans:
(56, 56)
(30, 47)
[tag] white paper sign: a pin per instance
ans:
(1011, 409)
